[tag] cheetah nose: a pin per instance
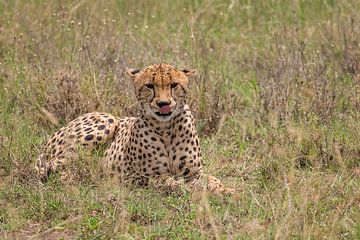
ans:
(162, 103)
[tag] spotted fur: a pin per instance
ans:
(161, 143)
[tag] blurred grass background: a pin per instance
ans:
(277, 102)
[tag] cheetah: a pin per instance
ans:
(162, 143)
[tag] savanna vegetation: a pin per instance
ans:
(277, 102)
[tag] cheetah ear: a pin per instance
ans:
(189, 72)
(133, 73)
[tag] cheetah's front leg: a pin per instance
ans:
(210, 184)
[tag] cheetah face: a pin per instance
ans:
(161, 90)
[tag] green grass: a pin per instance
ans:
(276, 100)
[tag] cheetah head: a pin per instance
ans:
(161, 90)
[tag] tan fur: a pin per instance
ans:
(151, 146)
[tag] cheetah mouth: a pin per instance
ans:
(163, 114)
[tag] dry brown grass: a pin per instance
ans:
(277, 101)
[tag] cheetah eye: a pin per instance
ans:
(174, 85)
(150, 86)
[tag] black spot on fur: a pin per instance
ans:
(186, 172)
(101, 127)
(181, 165)
(89, 137)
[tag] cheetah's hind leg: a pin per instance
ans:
(44, 169)
(41, 168)
(84, 134)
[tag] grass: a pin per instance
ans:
(277, 103)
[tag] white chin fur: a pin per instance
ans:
(162, 118)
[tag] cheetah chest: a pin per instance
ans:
(148, 150)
